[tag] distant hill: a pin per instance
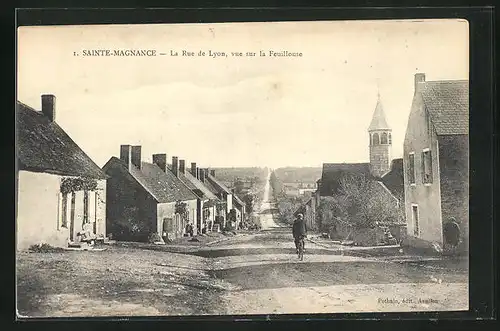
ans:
(298, 174)
(230, 174)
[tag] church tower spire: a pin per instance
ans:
(380, 141)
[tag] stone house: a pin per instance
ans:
(60, 190)
(146, 198)
(224, 192)
(239, 208)
(207, 201)
(436, 163)
(220, 190)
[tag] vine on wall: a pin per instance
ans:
(181, 209)
(71, 184)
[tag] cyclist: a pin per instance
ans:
(299, 231)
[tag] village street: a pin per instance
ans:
(248, 273)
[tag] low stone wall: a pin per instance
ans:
(362, 237)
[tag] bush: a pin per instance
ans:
(288, 206)
(360, 202)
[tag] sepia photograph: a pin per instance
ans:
(242, 168)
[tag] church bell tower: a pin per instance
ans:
(380, 142)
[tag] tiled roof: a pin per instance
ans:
(448, 105)
(378, 120)
(43, 146)
(186, 182)
(394, 180)
(238, 200)
(218, 185)
(163, 186)
(333, 172)
(200, 186)
(211, 187)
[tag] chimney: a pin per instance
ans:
(419, 78)
(198, 173)
(175, 165)
(49, 106)
(202, 175)
(212, 172)
(193, 169)
(125, 155)
(136, 156)
(182, 166)
(161, 161)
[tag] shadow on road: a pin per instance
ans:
(215, 253)
(293, 274)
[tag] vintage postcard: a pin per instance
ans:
(242, 168)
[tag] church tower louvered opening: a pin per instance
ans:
(380, 135)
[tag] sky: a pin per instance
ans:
(237, 111)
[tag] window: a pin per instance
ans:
(383, 138)
(411, 168)
(376, 140)
(426, 166)
(416, 229)
(64, 219)
(390, 138)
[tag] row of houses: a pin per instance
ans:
(431, 180)
(61, 192)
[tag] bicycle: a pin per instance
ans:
(300, 252)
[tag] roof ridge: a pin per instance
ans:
(445, 81)
(47, 146)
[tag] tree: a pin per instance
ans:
(361, 202)
(249, 200)
(328, 213)
(288, 206)
(181, 209)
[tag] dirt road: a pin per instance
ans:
(253, 273)
(265, 277)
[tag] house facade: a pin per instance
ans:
(60, 190)
(146, 198)
(436, 163)
(221, 191)
(221, 213)
(239, 208)
(207, 201)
